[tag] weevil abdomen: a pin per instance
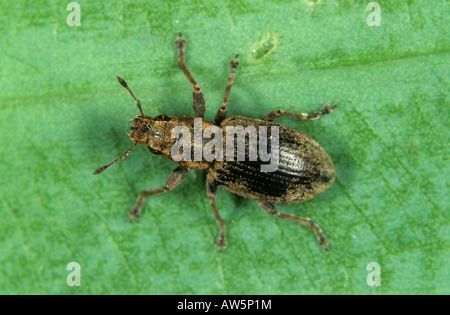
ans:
(303, 170)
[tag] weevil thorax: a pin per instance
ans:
(157, 134)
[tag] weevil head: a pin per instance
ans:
(152, 132)
(140, 126)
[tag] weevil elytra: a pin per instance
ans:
(303, 168)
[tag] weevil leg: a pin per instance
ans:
(222, 112)
(270, 208)
(212, 194)
(174, 179)
(275, 114)
(198, 101)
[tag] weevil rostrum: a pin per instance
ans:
(303, 169)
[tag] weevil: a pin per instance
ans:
(303, 170)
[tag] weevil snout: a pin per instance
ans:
(139, 130)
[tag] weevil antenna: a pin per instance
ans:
(105, 167)
(125, 85)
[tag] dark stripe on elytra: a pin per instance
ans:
(249, 174)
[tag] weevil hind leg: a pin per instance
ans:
(198, 101)
(270, 209)
(278, 113)
(175, 178)
(222, 112)
(212, 194)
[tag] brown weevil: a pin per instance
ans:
(302, 169)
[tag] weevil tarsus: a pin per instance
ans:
(211, 190)
(278, 113)
(270, 209)
(175, 178)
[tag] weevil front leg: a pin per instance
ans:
(198, 101)
(222, 112)
(270, 208)
(278, 113)
(174, 179)
(212, 194)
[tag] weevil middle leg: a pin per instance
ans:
(278, 113)
(198, 101)
(270, 208)
(175, 178)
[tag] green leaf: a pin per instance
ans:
(64, 114)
